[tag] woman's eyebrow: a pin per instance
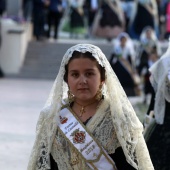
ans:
(85, 70)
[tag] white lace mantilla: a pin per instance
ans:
(124, 130)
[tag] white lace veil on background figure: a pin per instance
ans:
(159, 72)
(127, 126)
(129, 46)
(152, 41)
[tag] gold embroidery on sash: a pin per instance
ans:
(78, 136)
(101, 150)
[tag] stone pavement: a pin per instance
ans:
(20, 104)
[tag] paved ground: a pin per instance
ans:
(20, 103)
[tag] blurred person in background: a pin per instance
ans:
(146, 14)
(76, 16)
(128, 8)
(2, 10)
(27, 6)
(91, 8)
(147, 87)
(110, 20)
(39, 18)
(150, 51)
(161, 19)
(55, 13)
(123, 63)
(2, 7)
(148, 43)
(157, 133)
(167, 19)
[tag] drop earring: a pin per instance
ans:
(70, 96)
(99, 93)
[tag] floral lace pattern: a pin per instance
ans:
(42, 161)
(101, 126)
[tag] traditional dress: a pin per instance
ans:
(74, 145)
(122, 61)
(144, 9)
(159, 141)
(101, 127)
(109, 21)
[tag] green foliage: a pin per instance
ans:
(78, 30)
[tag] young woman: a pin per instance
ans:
(122, 61)
(88, 122)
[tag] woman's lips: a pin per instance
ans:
(83, 89)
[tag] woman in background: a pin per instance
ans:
(76, 20)
(123, 63)
(149, 52)
(146, 14)
(158, 141)
(110, 20)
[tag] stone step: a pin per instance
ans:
(43, 59)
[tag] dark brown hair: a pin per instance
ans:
(77, 54)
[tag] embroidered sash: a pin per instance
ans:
(94, 154)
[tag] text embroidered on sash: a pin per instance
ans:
(84, 142)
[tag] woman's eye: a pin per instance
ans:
(89, 73)
(74, 74)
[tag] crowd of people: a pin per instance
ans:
(100, 18)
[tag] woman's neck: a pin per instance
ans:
(84, 110)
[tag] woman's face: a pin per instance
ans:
(84, 78)
(123, 41)
(149, 33)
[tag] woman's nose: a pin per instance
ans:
(83, 79)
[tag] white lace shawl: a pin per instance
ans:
(159, 80)
(126, 124)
